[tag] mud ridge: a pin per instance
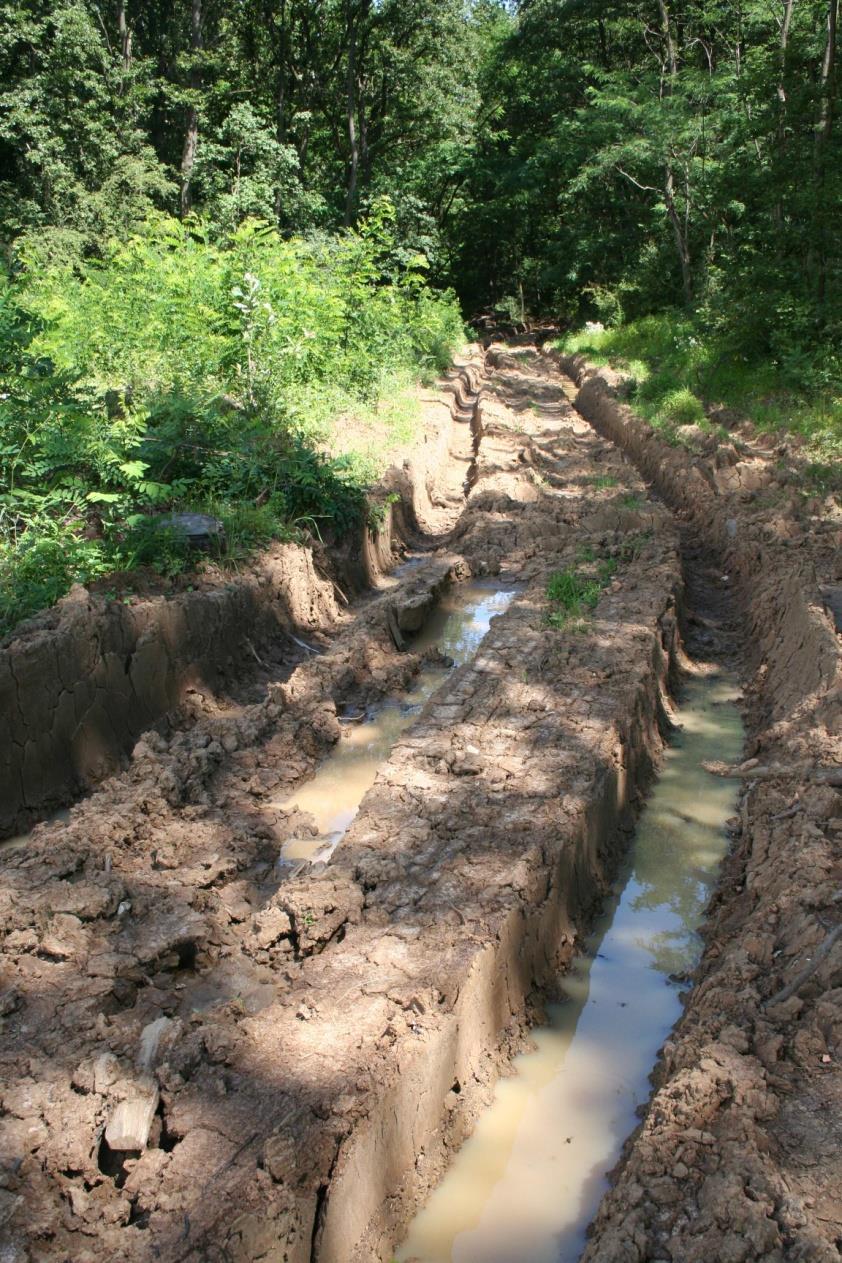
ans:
(80, 683)
(739, 1156)
(298, 1056)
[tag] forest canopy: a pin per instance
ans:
(230, 217)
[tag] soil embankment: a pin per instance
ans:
(80, 683)
(739, 1156)
(308, 1048)
(208, 1056)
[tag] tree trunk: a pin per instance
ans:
(283, 70)
(828, 81)
(785, 25)
(680, 234)
(351, 111)
(824, 127)
(666, 27)
(191, 135)
(125, 34)
(283, 60)
(680, 230)
(778, 214)
(603, 43)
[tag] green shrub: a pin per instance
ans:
(676, 365)
(682, 407)
(179, 371)
(574, 593)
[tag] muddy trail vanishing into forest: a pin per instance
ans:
(258, 988)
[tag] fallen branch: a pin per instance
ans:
(254, 652)
(807, 972)
(302, 645)
(394, 630)
(343, 598)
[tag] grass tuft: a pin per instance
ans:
(574, 594)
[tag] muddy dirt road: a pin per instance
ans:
(208, 1054)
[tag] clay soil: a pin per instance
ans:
(298, 1051)
(739, 1155)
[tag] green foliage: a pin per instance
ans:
(77, 163)
(679, 367)
(574, 592)
(674, 173)
(681, 407)
(243, 171)
(94, 117)
(41, 565)
(180, 372)
(679, 162)
(631, 500)
(378, 512)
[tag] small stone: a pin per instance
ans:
(63, 938)
(200, 529)
(9, 1202)
(280, 1158)
(10, 1000)
(83, 1077)
(20, 1136)
(270, 925)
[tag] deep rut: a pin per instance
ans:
(310, 1050)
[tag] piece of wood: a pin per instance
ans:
(129, 1125)
(807, 972)
(394, 630)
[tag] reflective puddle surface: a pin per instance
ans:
(456, 627)
(526, 1184)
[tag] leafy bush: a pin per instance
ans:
(677, 365)
(682, 407)
(179, 372)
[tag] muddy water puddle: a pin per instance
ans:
(456, 628)
(20, 840)
(527, 1183)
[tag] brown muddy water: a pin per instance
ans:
(456, 628)
(526, 1184)
(7, 845)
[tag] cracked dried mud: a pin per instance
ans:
(210, 1056)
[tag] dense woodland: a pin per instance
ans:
(224, 226)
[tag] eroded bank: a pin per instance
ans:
(81, 682)
(355, 1016)
(738, 1156)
